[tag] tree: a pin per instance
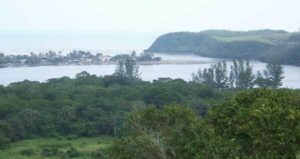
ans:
(133, 54)
(260, 80)
(231, 79)
(33, 59)
(127, 68)
(2, 58)
(263, 123)
(175, 132)
(271, 77)
(5, 133)
(221, 78)
(82, 74)
(215, 76)
(65, 118)
(274, 75)
(160, 96)
(241, 75)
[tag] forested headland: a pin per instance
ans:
(265, 45)
(221, 113)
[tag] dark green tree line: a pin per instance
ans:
(241, 76)
(258, 123)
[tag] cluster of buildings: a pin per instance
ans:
(99, 59)
(53, 58)
(72, 58)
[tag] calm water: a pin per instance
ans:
(149, 72)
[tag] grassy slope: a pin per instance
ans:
(189, 39)
(270, 39)
(242, 38)
(86, 146)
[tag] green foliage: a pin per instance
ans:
(88, 105)
(160, 96)
(87, 148)
(33, 59)
(158, 134)
(173, 132)
(265, 45)
(27, 152)
(272, 77)
(127, 68)
(4, 140)
(147, 56)
(73, 152)
(241, 76)
(100, 154)
(6, 133)
(262, 123)
(215, 76)
(48, 152)
(258, 123)
(144, 56)
(274, 73)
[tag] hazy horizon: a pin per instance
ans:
(85, 40)
(24, 42)
(20, 42)
(28, 25)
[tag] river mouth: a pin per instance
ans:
(149, 72)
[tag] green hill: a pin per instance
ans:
(266, 45)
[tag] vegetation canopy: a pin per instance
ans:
(217, 115)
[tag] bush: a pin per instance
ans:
(99, 155)
(48, 152)
(171, 132)
(72, 152)
(263, 123)
(72, 137)
(4, 141)
(27, 152)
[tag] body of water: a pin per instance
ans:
(148, 72)
(23, 42)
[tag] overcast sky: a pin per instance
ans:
(148, 15)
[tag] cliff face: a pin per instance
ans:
(258, 44)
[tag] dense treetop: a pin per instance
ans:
(258, 123)
(216, 115)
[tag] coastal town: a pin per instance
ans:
(73, 58)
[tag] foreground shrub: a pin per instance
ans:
(173, 132)
(262, 123)
(259, 123)
(100, 154)
(72, 152)
(4, 141)
(27, 152)
(49, 152)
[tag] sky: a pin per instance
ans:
(27, 25)
(148, 15)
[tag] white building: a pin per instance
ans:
(105, 58)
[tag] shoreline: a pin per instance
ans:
(162, 62)
(223, 58)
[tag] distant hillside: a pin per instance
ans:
(266, 45)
